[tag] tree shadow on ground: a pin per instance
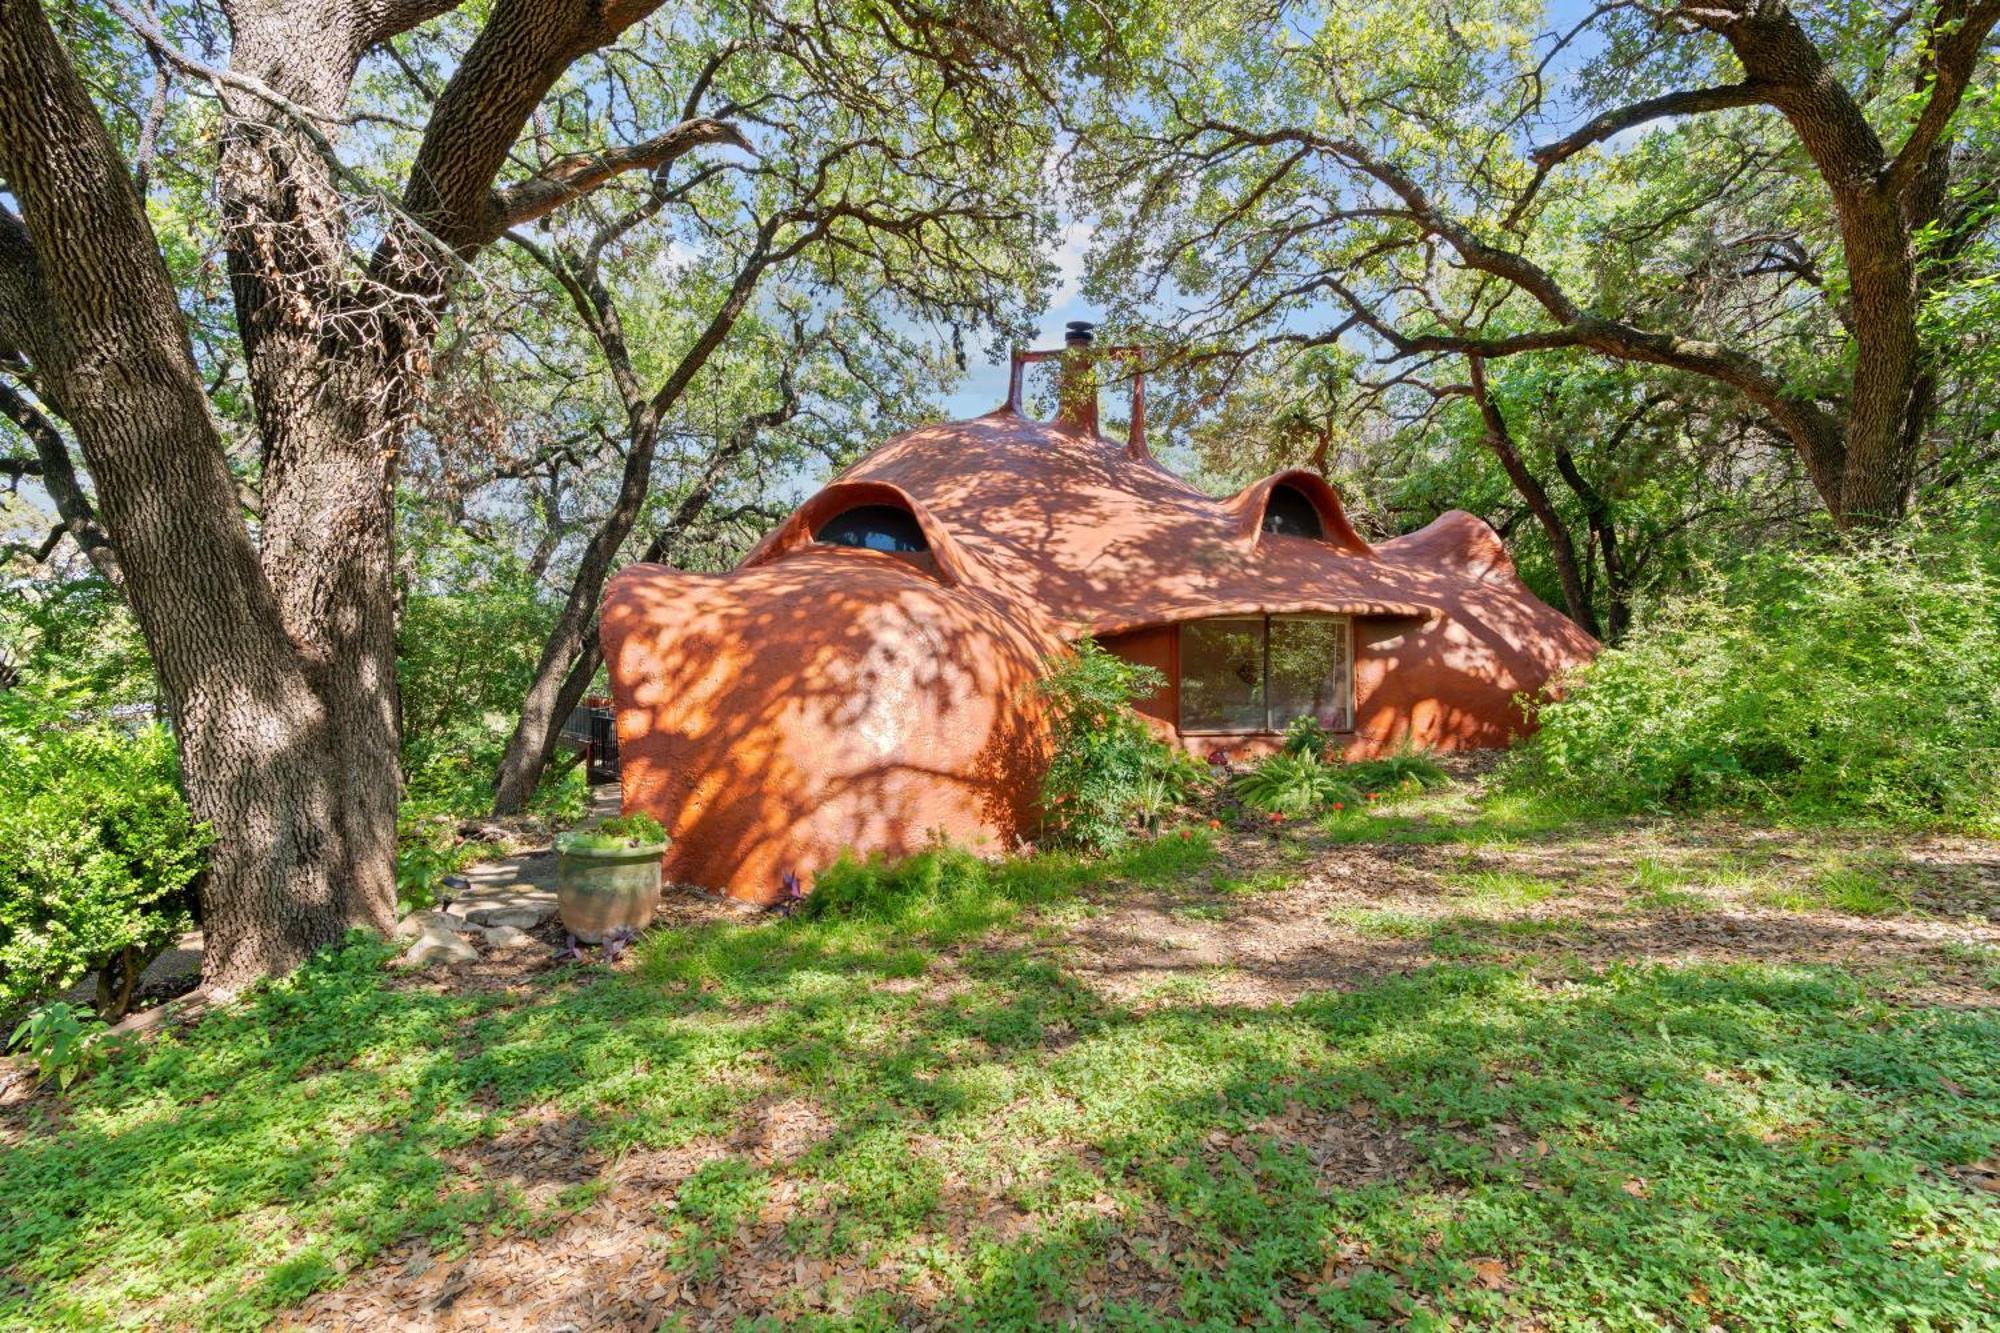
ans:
(868, 1118)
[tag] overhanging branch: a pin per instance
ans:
(572, 177)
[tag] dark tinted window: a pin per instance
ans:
(1290, 512)
(1259, 675)
(875, 528)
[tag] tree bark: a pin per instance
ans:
(258, 762)
(1501, 441)
(277, 657)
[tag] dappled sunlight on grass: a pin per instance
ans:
(910, 1103)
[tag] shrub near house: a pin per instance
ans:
(1862, 682)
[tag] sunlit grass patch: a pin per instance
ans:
(1388, 829)
(1262, 881)
(1670, 900)
(1381, 922)
(1451, 815)
(1856, 885)
(1972, 953)
(1506, 887)
(1201, 912)
(1186, 987)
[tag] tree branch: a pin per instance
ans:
(58, 477)
(379, 20)
(574, 176)
(1953, 56)
(1684, 103)
(518, 56)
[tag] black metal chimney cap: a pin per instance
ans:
(1078, 333)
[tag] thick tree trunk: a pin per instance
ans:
(331, 408)
(258, 763)
(1562, 547)
(1879, 443)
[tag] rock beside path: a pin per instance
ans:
(416, 923)
(438, 945)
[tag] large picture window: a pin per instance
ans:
(1260, 673)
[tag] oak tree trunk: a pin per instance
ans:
(260, 763)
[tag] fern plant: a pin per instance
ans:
(1291, 784)
(1407, 770)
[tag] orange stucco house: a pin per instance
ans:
(864, 679)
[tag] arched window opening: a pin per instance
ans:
(1288, 511)
(874, 528)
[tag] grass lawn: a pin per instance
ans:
(1444, 1064)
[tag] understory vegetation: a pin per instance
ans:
(1108, 771)
(1860, 681)
(1051, 1088)
(98, 854)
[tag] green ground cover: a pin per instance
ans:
(1483, 1138)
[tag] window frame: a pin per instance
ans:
(1265, 621)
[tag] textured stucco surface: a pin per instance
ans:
(818, 698)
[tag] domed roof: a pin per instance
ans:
(1101, 538)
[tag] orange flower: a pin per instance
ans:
(1215, 823)
(1185, 835)
(1277, 817)
(1338, 806)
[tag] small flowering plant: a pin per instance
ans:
(792, 894)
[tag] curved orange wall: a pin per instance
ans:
(835, 699)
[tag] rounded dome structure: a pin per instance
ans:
(873, 689)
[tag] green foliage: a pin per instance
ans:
(1407, 771)
(1107, 767)
(98, 853)
(1288, 783)
(1305, 736)
(472, 629)
(618, 834)
(1857, 682)
(63, 1040)
(76, 646)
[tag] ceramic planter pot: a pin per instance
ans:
(599, 891)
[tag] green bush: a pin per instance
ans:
(1292, 784)
(1407, 770)
(1108, 769)
(1859, 683)
(1305, 735)
(98, 853)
